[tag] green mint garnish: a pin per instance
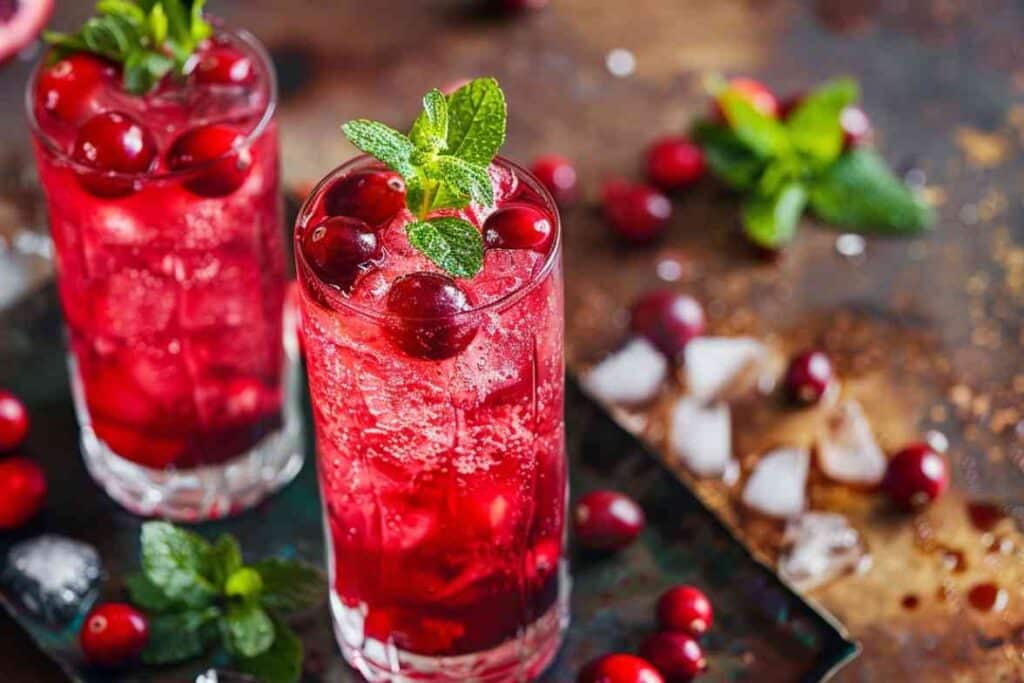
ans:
(149, 38)
(444, 162)
(784, 167)
(200, 596)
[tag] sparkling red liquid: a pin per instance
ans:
(172, 300)
(443, 481)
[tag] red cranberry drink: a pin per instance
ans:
(431, 295)
(159, 163)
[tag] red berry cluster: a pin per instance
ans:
(22, 482)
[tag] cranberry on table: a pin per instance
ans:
(430, 316)
(13, 421)
(637, 213)
(916, 476)
(668, 319)
(22, 491)
(214, 153)
(558, 175)
(619, 668)
(856, 126)
(677, 656)
(67, 88)
(607, 520)
(113, 634)
(375, 197)
(674, 163)
(519, 226)
(808, 377)
(685, 609)
(224, 65)
(339, 248)
(113, 143)
(754, 92)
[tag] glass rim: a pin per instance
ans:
(341, 303)
(246, 37)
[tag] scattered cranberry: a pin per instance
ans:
(558, 175)
(339, 248)
(755, 92)
(808, 377)
(67, 88)
(113, 634)
(224, 65)
(685, 609)
(668, 319)
(674, 163)
(427, 308)
(13, 421)
(214, 153)
(607, 520)
(375, 197)
(856, 126)
(637, 213)
(22, 490)
(619, 668)
(113, 143)
(916, 476)
(518, 226)
(678, 656)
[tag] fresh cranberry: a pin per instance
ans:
(67, 89)
(808, 377)
(113, 634)
(756, 93)
(856, 126)
(215, 155)
(375, 197)
(916, 476)
(113, 143)
(607, 520)
(22, 490)
(339, 248)
(13, 421)
(518, 226)
(619, 668)
(558, 175)
(685, 609)
(637, 213)
(678, 656)
(674, 163)
(668, 319)
(427, 321)
(224, 65)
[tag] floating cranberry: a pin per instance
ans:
(214, 156)
(114, 634)
(916, 476)
(619, 668)
(375, 197)
(22, 491)
(637, 213)
(685, 609)
(808, 377)
(856, 126)
(558, 175)
(607, 520)
(224, 65)
(668, 319)
(115, 145)
(674, 163)
(13, 421)
(340, 248)
(67, 89)
(756, 93)
(430, 319)
(677, 656)
(519, 226)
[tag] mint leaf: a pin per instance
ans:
(143, 70)
(281, 663)
(451, 243)
(430, 132)
(762, 134)
(860, 191)
(179, 637)
(469, 180)
(771, 221)
(814, 128)
(727, 156)
(122, 8)
(147, 595)
(384, 143)
(247, 630)
(244, 583)
(290, 586)
(477, 115)
(158, 25)
(224, 559)
(174, 559)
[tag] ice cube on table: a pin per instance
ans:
(717, 366)
(701, 436)
(631, 375)
(778, 485)
(847, 451)
(54, 577)
(820, 546)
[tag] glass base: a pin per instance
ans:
(516, 661)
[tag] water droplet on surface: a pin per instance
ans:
(621, 63)
(850, 246)
(669, 270)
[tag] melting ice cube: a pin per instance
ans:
(701, 436)
(777, 486)
(53, 576)
(720, 367)
(820, 547)
(847, 450)
(631, 375)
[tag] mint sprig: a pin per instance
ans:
(149, 38)
(444, 161)
(200, 596)
(785, 167)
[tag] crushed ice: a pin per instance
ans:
(777, 486)
(719, 367)
(701, 436)
(53, 576)
(819, 546)
(846, 449)
(631, 375)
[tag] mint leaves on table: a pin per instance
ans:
(149, 38)
(785, 167)
(200, 595)
(444, 161)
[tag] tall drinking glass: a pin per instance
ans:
(172, 278)
(441, 451)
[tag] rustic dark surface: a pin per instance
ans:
(927, 332)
